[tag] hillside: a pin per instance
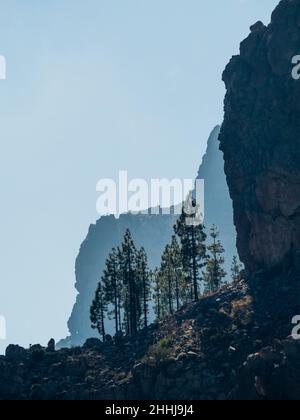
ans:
(216, 349)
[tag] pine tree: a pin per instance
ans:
(98, 309)
(236, 268)
(128, 256)
(157, 294)
(186, 288)
(124, 290)
(192, 236)
(144, 280)
(215, 272)
(168, 278)
(177, 270)
(112, 287)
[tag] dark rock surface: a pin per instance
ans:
(217, 349)
(260, 139)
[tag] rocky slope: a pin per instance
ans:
(217, 349)
(152, 232)
(261, 142)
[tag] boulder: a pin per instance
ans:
(16, 353)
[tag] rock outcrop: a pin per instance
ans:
(260, 139)
(153, 233)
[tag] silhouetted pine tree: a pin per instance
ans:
(98, 310)
(190, 230)
(187, 289)
(113, 287)
(168, 281)
(157, 294)
(144, 281)
(132, 303)
(215, 272)
(236, 268)
(177, 272)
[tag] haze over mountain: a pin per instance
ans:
(151, 232)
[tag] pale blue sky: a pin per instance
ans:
(93, 87)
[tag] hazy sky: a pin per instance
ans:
(94, 87)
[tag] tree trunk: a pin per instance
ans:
(145, 302)
(102, 321)
(177, 293)
(170, 294)
(194, 266)
(116, 303)
(119, 312)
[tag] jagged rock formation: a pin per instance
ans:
(260, 139)
(152, 232)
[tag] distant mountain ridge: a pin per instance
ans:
(153, 232)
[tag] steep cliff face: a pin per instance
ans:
(152, 232)
(260, 139)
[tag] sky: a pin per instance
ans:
(94, 87)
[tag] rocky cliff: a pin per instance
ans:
(260, 139)
(152, 232)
